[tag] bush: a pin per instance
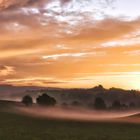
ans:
(46, 100)
(116, 105)
(76, 103)
(27, 100)
(132, 105)
(99, 103)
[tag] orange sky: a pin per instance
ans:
(58, 44)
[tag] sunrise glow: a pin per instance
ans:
(70, 43)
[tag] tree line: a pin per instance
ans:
(43, 100)
(98, 103)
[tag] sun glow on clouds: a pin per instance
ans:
(6, 70)
(57, 56)
(70, 43)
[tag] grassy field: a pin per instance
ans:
(20, 127)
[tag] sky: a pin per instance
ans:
(70, 43)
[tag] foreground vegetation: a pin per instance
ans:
(20, 127)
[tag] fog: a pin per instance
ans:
(76, 113)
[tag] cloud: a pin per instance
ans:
(41, 13)
(6, 70)
(72, 19)
(112, 74)
(56, 56)
(4, 4)
(123, 43)
(133, 53)
(58, 38)
(34, 81)
(119, 65)
(129, 39)
(73, 55)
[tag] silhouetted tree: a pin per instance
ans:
(124, 106)
(27, 100)
(99, 103)
(46, 100)
(99, 89)
(132, 105)
(116, 105)
(76, 103)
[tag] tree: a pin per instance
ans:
(76, 103)
(27, 100)
(99, 103)
(132, 105)
(45, 100)
(116, 105)
(99, 89)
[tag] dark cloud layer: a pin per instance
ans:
(6, 4)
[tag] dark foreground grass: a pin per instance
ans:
(19, 127)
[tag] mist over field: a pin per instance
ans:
(78, 114)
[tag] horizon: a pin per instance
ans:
(47, 87)
(70, 43)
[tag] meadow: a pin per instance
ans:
(15, 126)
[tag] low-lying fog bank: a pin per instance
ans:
(76, 113)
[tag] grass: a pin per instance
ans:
(20, 127)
